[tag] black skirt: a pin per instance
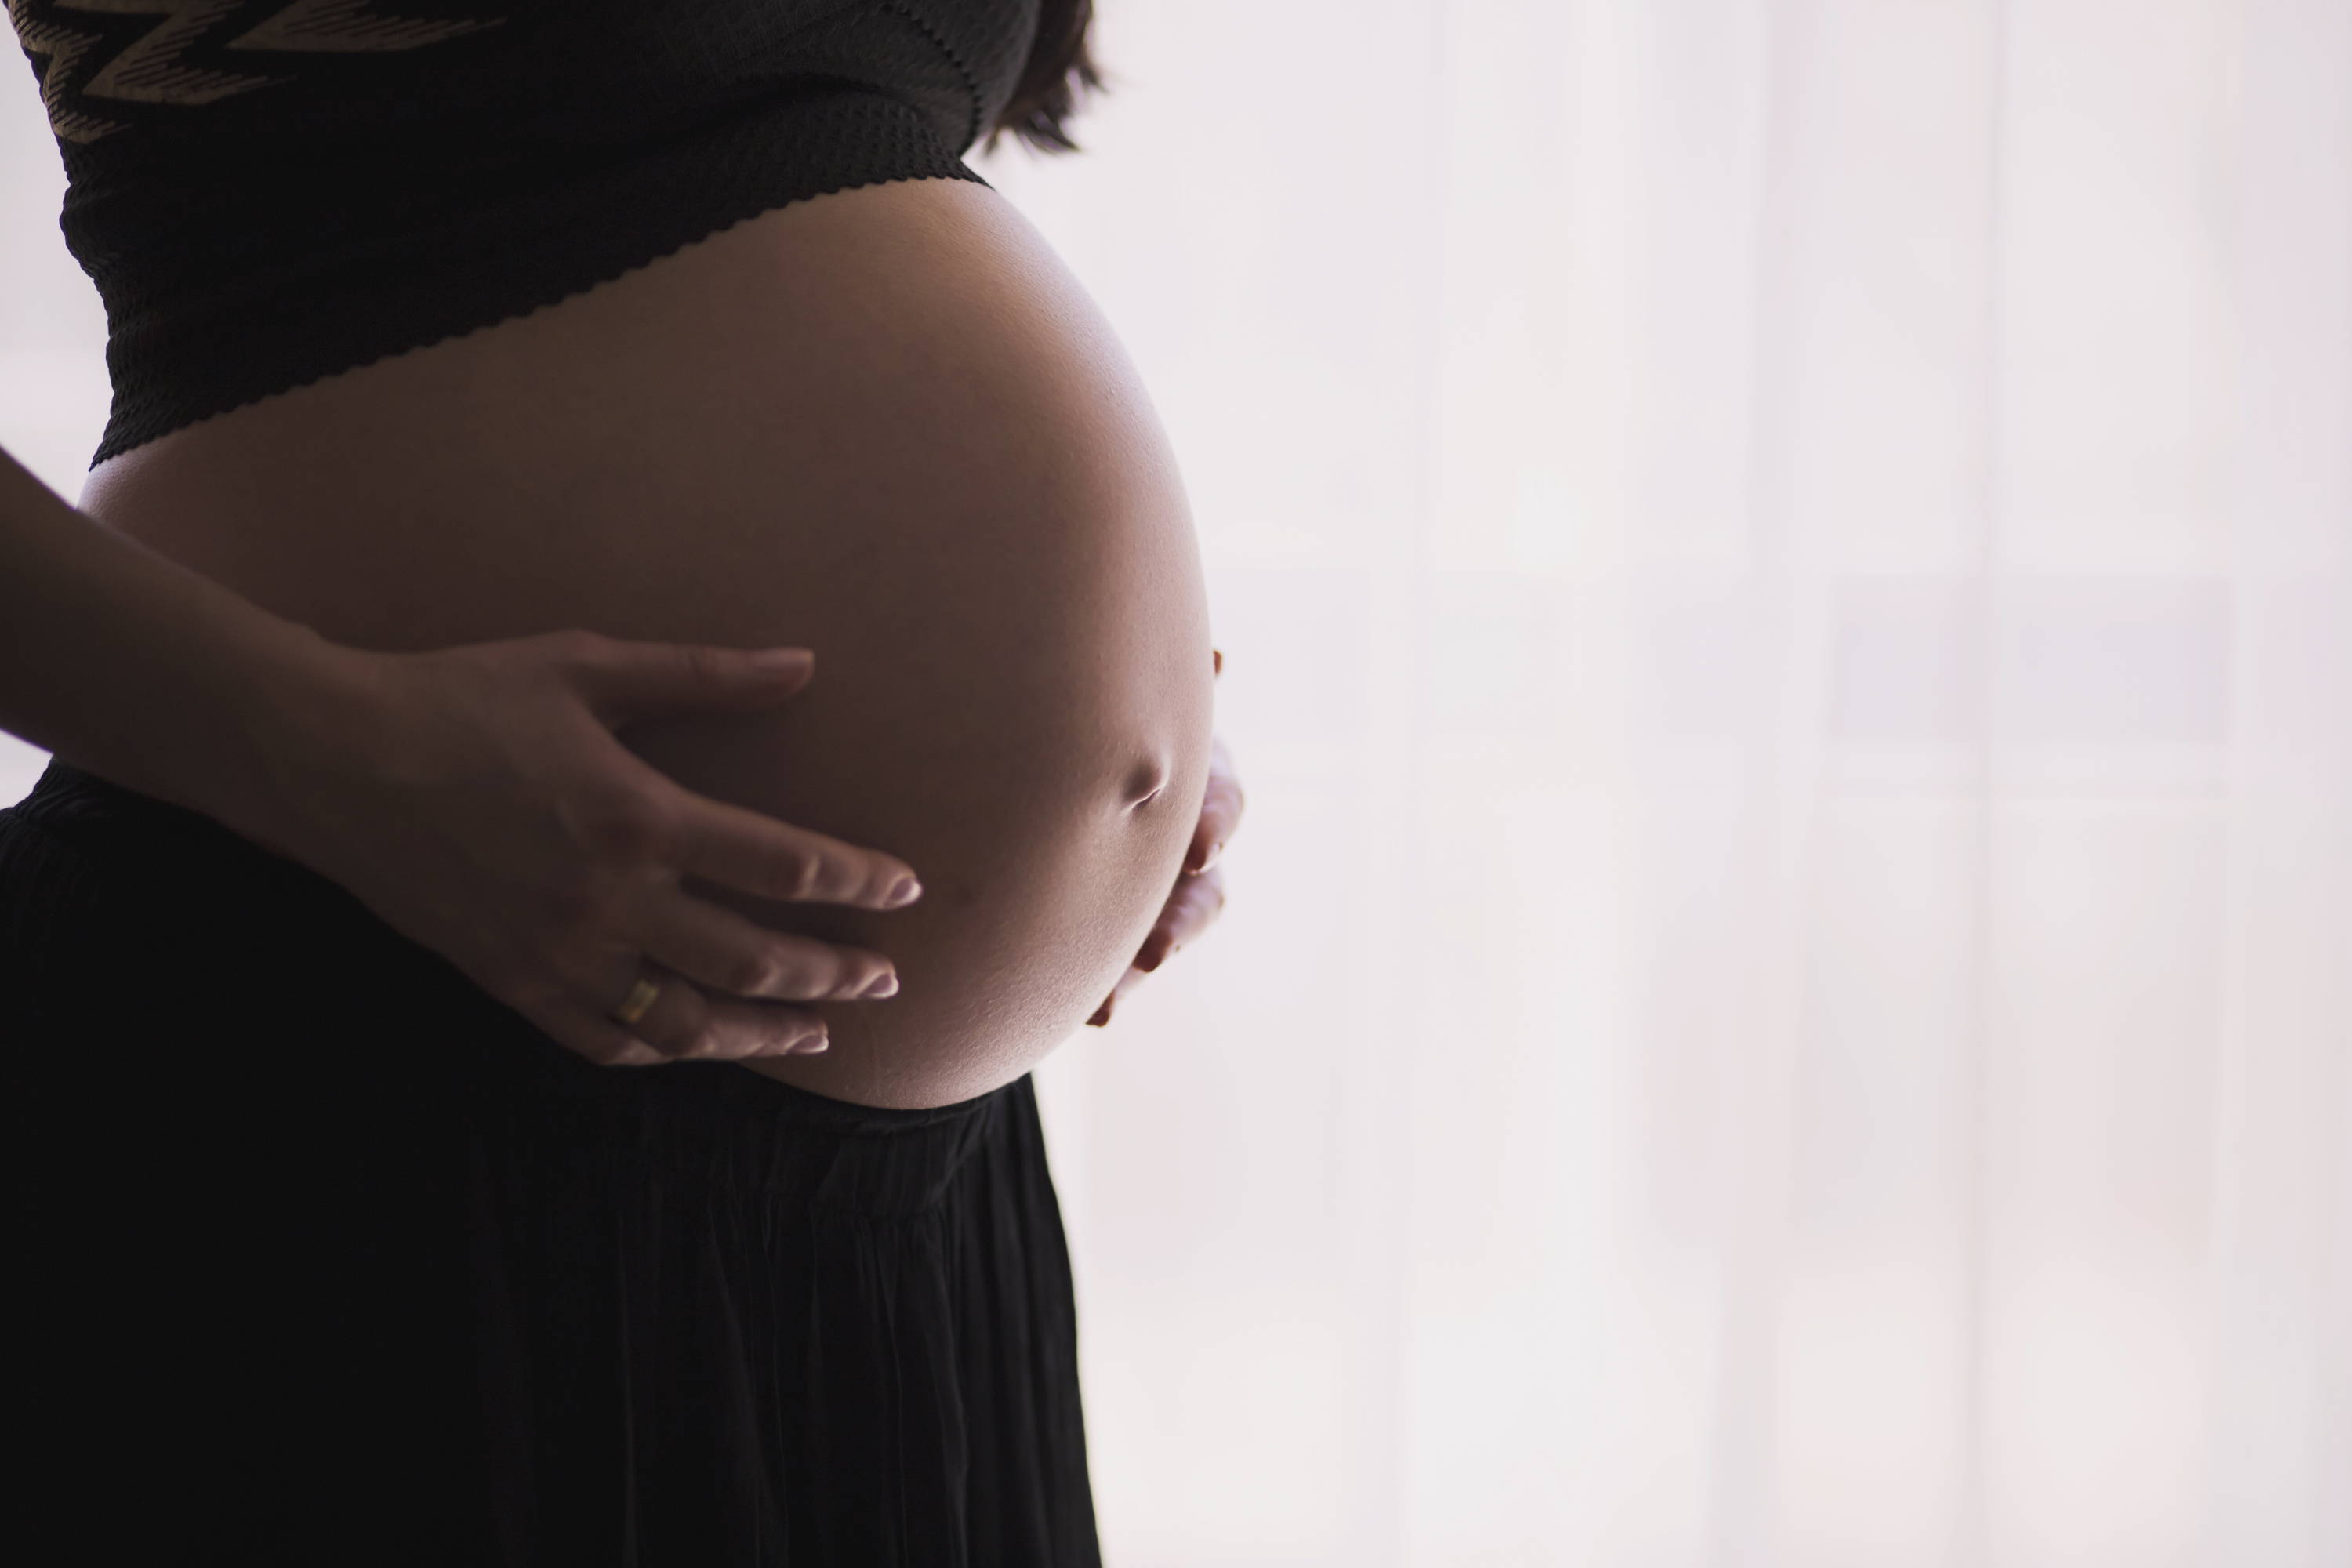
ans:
(319, 1255)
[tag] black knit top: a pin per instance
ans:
(266, 192)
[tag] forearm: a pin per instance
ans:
(129, 664)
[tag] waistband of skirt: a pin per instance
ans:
(122, 832)
(106, 819)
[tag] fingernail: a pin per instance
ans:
(882, 985)
(1151, 959)
(813, 1044)
(906, 890)
(779, 658)
(1102, 1016)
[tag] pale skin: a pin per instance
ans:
(885, 426)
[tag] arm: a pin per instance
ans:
(475, 799)
(135, 667)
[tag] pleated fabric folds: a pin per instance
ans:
(319, 1255)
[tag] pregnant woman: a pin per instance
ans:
(493, 378)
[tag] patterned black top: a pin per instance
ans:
(266, 192)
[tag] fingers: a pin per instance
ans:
(720, 951)
(1221, 812)
(580, 1029)
(758, 854)
(683, 1020)
(684, 1023)
(1126, 982)
(740, 849)
(1190, 910)
(625, 681)
(603, 1042)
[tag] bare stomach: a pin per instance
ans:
(886, 425)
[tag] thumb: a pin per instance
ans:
(626, 681)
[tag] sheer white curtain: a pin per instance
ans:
(1786, 576)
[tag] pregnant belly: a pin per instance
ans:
(886, 423)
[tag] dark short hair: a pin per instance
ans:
(1058, 73)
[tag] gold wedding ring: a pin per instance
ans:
(641, 997)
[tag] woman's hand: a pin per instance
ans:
(1199, 895)
(477, 800)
